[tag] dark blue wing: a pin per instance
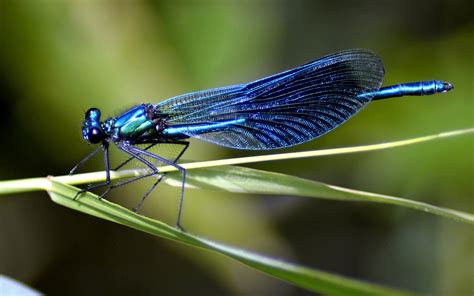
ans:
(282, 110)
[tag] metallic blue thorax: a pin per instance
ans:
(136, 125)
(144, 124)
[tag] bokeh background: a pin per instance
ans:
(58, 58)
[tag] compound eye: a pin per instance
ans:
(93, 113)
(94, 135)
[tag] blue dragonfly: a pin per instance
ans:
(282, 110)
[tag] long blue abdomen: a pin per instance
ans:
(421, 88)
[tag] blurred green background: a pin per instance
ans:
(58, 58)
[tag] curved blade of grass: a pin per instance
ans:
(100, 176)
(300, 276)
(246, 180)
(304, 277)
(292, 185)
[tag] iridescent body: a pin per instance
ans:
(279, 111)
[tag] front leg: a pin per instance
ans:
(105, 145)
(84, 160)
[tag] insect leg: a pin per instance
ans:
(126, 149)
(137, 208)
(128, 160)
(178, 167)
(185, 146)
(107, 172)
(80, 163)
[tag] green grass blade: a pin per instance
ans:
(303, 277)
(250, 181)
(237, 179)
(23, 185)
(99, 176)
(323, 152)
(246, 180)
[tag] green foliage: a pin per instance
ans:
(307, 278)
(215, 175)
(245, 180)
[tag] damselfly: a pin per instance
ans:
(279, 111)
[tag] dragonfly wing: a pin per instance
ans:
(285, 109)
